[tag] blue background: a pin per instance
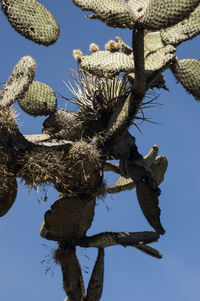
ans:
(129, 274)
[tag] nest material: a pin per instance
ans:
(75, 172)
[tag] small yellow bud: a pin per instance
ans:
(77, 54)
(94, 47)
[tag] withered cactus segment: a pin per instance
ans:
(159, 168)
(19, 81)
(163, 13)
(107, 239)
(123, 183)
(39, 99)
(187, 72)
(148, 200)
(68, 219)
(32, 20)
(64, 125)
(115, 13)
(149, 250)
(182, 31)
(73, 283)
(8, 189)
(95, 286)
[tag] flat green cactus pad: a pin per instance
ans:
(182, 31)
(187, 72)
(106, 62)
(22, 75)
(31, 19)
(115, 13)
(163, 13)
(40, 99)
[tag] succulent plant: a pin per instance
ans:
(32, 19)
(114, 13)
(17, 84)
(163, 13)
(187, 72)
(72, 153)
(39, 99)
(182, 31)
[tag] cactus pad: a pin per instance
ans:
(159, 168)
(22, 75)
(185, 30)
(138, 6)
(31, 19)
(40, 99)
(8, 190)
(95, 285)
(115, 13)
(187, 72)
(152, 42)
(69, 218)
(105, 63)
(163, 13)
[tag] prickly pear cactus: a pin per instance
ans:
(187, 72)
(22, 75)
(163, 13)
(32, 20)
(114, 13)
(106, 62)
(182, 31)
(39, 99)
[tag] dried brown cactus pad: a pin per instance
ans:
(8, 190)
(69, 219)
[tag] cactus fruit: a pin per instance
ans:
(115, 13)
(39, 99)
(163, 13)
(187, 72)
(69, 218)
(22, 75)
(32, 20)
(8, 190)
(182, 31)
(94, 47)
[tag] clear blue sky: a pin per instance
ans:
(129, 274)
